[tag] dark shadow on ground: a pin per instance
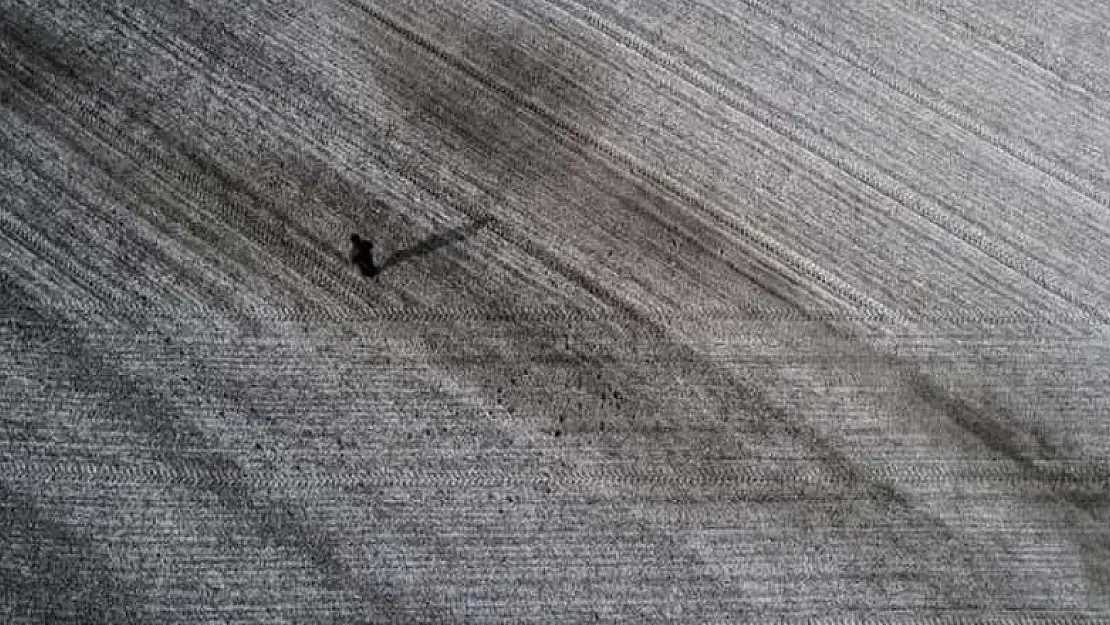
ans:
(435, 242)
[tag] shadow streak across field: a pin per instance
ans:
(436, 242)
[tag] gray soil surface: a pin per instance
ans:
(688, 311)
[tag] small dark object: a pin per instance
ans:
(362, 254)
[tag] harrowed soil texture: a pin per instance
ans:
(554, 312)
